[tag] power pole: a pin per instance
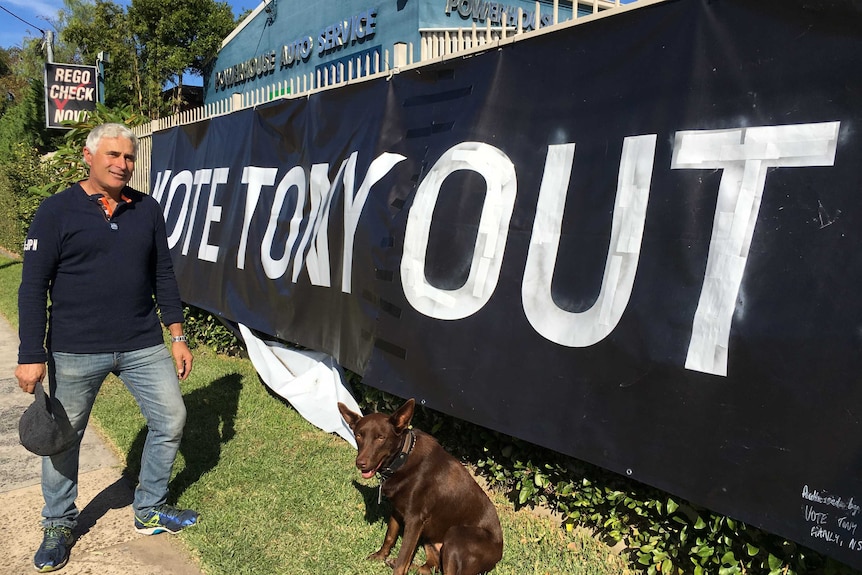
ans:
(101, 59)
(49, 46)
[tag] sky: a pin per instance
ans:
(37, 14)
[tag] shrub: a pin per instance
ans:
(201, 327)
(17, 205)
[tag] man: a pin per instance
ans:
(100, 251)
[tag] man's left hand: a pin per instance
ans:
(183, 358)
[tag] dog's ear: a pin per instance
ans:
(401, 418)
(349, 416)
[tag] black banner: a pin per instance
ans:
(635, 241)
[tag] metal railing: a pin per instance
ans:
(436, 44)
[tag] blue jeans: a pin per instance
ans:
(74, 379)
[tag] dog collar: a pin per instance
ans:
(399, 460)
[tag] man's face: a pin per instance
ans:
(112, 164)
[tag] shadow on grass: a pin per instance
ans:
(375, 510)
(209, 425)
(10, 263)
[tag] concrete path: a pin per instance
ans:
(107, 544)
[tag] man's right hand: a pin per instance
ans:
(28, 374)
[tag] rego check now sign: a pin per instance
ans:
(70, 92)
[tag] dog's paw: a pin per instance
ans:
(377, 556)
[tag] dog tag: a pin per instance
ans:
(114, 226)
(380, 495)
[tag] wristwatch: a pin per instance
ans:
(176, 338)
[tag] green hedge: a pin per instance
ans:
(17, 204)
(201, 327)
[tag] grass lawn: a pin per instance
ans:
(279, 496)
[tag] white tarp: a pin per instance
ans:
(311, 381)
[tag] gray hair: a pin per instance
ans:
(110, 131)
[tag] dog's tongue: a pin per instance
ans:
(370, 473)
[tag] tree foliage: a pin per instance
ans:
(108, 30)
(12, 85)
(17, 206)
(177, 37)
(23, 138)
(24, 123)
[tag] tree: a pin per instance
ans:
(177, 37)
(106, 28)
(12, 86)
(24, 123)
(71, 15)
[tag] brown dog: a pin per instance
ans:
(433, 497)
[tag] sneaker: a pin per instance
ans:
(53, 553)
(165, 518)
